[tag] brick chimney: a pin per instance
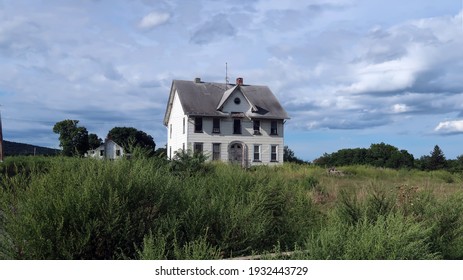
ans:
(239, 81)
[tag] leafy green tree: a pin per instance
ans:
(380, 155)
(93, 141)
(288, 156)
(129, 137)
(73, 139)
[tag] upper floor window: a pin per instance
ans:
(198, 124)
(215, 125)
(170, 131)
(237, 100)
(274, 128)
(256, 126)
(236, 126)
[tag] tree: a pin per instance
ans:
(129, 137)
(288, 156)
(379, 155)
(73, 139)
(93, 141)
(437, 159)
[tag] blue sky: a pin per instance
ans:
(349, 72)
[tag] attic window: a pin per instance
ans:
(237, 100)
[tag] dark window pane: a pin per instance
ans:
(236, 126)
(198, 124)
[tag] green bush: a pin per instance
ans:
(391, 237)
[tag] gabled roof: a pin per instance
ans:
(227, 95)
(206, 99)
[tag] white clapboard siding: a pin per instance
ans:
(176, 138)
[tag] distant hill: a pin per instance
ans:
(17, 149)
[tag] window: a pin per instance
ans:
(236, 126)
(237, 100)
(198, 148)
(183, 125)
(256, 125)
(216, 125)
(198, 124)
(216, 151)
(256, 153)
(101, 153)
(118, 153)
(183, 146)
(274, 153)
(170, 152)
(274, 128)
(170, 131)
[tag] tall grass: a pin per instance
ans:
(147, 208)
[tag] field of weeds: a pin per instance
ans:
(71, 208)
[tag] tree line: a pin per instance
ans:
(388, 156)
(76, 141)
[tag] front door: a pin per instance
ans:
(236, 153)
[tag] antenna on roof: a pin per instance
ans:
(226, 74)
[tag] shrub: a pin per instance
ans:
(390, 237)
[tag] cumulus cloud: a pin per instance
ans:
(450, 127)
(153, 20)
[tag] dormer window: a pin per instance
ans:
(237, 100)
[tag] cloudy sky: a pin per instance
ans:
(349, 72)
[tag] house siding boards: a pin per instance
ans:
(190, 100)
(176, 137)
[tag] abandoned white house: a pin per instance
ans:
(236, 123)
(108, 150)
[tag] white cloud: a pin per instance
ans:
(153, 20)
(400, 108)
(450, 127)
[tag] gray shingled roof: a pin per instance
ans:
(203, 99)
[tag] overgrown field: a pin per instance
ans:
(70, 208)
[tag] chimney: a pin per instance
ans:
(239, 81)
(197, 80)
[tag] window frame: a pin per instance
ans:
(216, 125)
(273, 154)
(195, 147)
(274, 127)
(216, 154)
(237, 127)
(183, 125)
(198, 124)
(257, 150)
(256, 127)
